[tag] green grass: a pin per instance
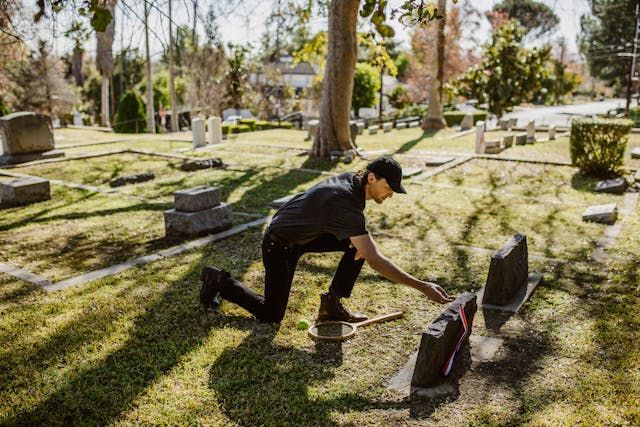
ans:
(135, 348)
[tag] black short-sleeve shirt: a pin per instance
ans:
(334, 206)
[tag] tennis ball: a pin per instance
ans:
(302, 324)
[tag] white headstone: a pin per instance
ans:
(606, 214)
(373, 130)
(467, 122)
(635, 153)
(531, 131)
(480, 144)
(387, 126)
(199, 137)
(77, 118)
(552, 132)
(214, 125)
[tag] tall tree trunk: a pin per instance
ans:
(104, 61)
(151, 116)
(76, 65)
(172, 88)
(333, 131)
(435, 119)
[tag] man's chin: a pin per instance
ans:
(379, 201)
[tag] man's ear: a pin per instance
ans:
(371, 178)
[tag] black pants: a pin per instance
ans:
(280, 262)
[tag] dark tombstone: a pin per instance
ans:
(439, 341)
(132, 179)
(194, 165)
(615, 186)
(509, 284)
(26, 137)
(24, 191)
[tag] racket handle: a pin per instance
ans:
(381, 318)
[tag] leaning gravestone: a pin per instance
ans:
(24, 191)
(26, 137)
(606, 214)
(444, 341)
(531, 132)
(480, 142)
(509, 284)
(197, 211)
(199, 134)
(214, 126)
(467, 122)
(615, 186)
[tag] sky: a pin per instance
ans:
(247, 23)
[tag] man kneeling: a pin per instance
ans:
(329, 217)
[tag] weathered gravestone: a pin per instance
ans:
(552, 133)
(507, 141)
(373, 130)
(492, 146)
(194, 165)
(25, 137)
(387, 126)
(313, 129)
(606, 214)
(414, 124)
(401, 125)
(467, 122)
(531, 132)
(480, 142)
(278, 203)
(199, 134)
(439, 342)
(615, 186)
(24, 191)
(504, 124)
(214, 126)
(197, 211)
(132, 179)
(353, 129)
(509, 284)
(521, 139)
(635, 153)
(360, 126)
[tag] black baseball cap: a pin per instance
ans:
(388, 168)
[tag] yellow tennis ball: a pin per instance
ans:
(302, 324)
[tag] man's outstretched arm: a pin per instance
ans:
(367, 249)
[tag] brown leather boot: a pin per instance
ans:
(212, 284)
(332, 309)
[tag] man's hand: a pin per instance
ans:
(436, 293)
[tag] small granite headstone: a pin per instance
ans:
(552, 133)
(513, 122)
(507, 141)
(521, 139)
(196, 199)
(24, 191)
(214, 125)
(131, 179)
(492, 146)
(360, 126)
(401, 125)
(25, 137)
(194, 165)
(480, 141)
(509, 283)
(438, 160)
(199, 134)
(531, 131)
(387, 126)
(313, 129)
(635, 153)
(606, 214)
(467, 122)
(440, 339)
(185, 221)
(615, 186)
(373, 130)
(504, 124)
(414, 124)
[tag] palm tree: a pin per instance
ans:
(104, 61)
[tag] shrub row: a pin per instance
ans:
(597, 145)
(249, 125)
(454, 118)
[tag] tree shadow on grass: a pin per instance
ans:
(407, 146)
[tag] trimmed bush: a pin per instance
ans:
(225, 129)
(597, 145)
(453, 118)
(634, 114)
(131, 116)
(262, 125)
(479, 115)
(240, 129)
(249, 122)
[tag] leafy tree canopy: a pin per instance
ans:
(536, 18)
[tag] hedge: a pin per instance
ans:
(240, 129)
(454, 118)
(131, 116)
(597, 145)
(249, 122)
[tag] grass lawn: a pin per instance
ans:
(135, 348)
